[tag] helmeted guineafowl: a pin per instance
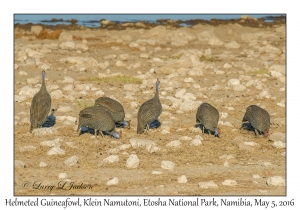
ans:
(50, 120)
(40, 106)
(115, 109)
(97, 118)
(258, 118)
(208, 116)
(149, 111)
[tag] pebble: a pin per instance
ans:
(113, 181)
(276, 181)
(133, 161)
(175, 143)
(256, 176)
(168, 165)
(44, 131)
(208, 185)
(182, 179)
(43, 164)
(19, 164)
(111, 159)
(69, 87)
(196, 142)
(144, 143)
(56, 150)
(71, 161)
(156, 172)
(281, 103)
(229, 182)
(62, 175)
(27, 148)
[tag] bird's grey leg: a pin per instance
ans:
(147, 129)
(101, 134)
(202, 129)
(256, 133)
(79, 132)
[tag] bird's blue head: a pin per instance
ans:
(116, 135)
(217, 132)
(157, 84)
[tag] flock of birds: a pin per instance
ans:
(107, 114)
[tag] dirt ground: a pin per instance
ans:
(198, 163)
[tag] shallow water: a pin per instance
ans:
(93, 20)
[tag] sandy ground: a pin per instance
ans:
(198, 163)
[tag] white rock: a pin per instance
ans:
(81, 46)
(233, 82)
(113, 181)
(68, 79)
(36, 29)
(207, 185)
(224, 115)
(231, 45)
(156, 172)
(28, 91)
(51, 143)
(168, 165)
(189, 79)
(71, 161)
(229, 182)
(69, 87)
(185, 138)
(19, 164)
(56, 150)
(19, 99)
(279, 144)
(182, 179)
(44, 67)
(227, 66)
(43, 164)
(99, 93)
(119, 63)
(276, 181)
(64, 36)
(57, 94)
(281, 103)
(133, 44)
(68, 45)
(22, 73)
(226, 163)
(124, 57)
(144, 143)
(27, 148)
(196, 142)
(111, 159)
(133, 161)
(264, 94)
(62, 175)
(64, 109)
(256, 176)
(44, 131)
(175, 143)
(278, 136)
(275, 74)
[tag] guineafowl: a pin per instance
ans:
(97, 118)
(40, 106)
(149, 111)
(208, 116)
(115, 109)
(258, 118)
(50, 120)
(154, 124)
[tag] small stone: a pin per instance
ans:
(208, 185)
(56, 150)
(256, 176)
(62, 175)
(71, 161)
(279, 144)
(111, 159)
(133, 161)
(182, 179)
(42, 164)
(113, 181)
(44, 131)
(229, 182)
(27, 149)
(233, 82)
(144, 143)
(196, 142)
(226, 163)
(19, 164)
(281, 103)
(175, 143)
(156, 172)
(276, 181)
(168, 165)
